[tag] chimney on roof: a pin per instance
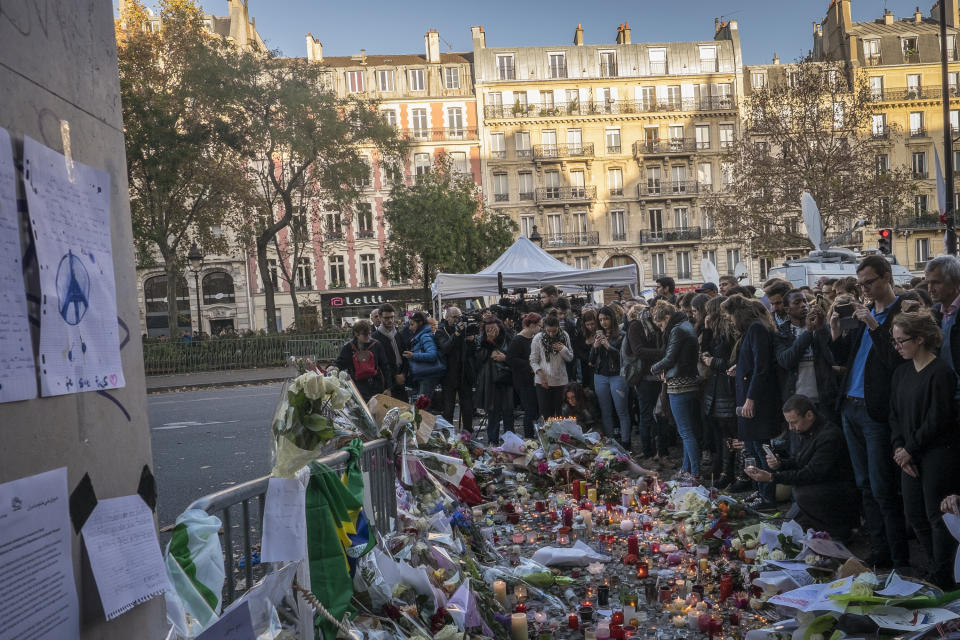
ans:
(776, 58)
(361, 57)
(314, 49)
(620, 34)
(432, 41)
(887, 16)
(917, 16)
(578, 35)
(626, 33)
(479, 37)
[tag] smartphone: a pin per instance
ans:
(768, 450)
(844, 310)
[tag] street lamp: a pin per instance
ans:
(536, 237)
(196, 265)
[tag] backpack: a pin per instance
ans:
(364, 363)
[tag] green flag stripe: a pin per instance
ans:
(180, 550)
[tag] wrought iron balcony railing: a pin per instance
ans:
(437, 135)
(668, 188)
(660, 147)
(560, 151)
(574, 239)
(566, 194)
(676, 234)
(593, 107)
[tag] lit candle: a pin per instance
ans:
(500, 591)
(629, 612)
(520, 591)
(603, 630)
(587, 520)
(626, 496)
(573, 621)
(642, 572)
(626, 524)
(633, 545)
(693, 620)
(654, 547)
(518, 626)
(540, 617)
(517, 537)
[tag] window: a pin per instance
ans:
(909, 46)
(522, 141)
(575, 142)
(525, 185)
(656, 223)
(871, 52)
(390, 116)
(916, 124)
(725, 95)
(705, 175)
(703, 136)
(733, 257)
(520, 104)
(658, 61)
(708, 224)
(920, 164)
(354, 81)
(459, 162)
(416, 80)
(333, 225)
(708, 59)
(673, 97)
(337, 272)
(552, 181)
(581, 262)
(711, 255)
(726, 173)
(580, 223)
(217, 288)
(451, 78)
(605, 99)
(608, 64)
(274, 277)
(419, 123)
(883, 163)
(679, 175)
(495, 101)
(676, 137)
(658, 263)
(876, 87)
(765, 265)
(364, 220)
(613, 140)
(455, 122)
(954, 122)
(920, 204)
(501, 187)
(923, 249)
(648, 98)
(956, 163)
(615, 182)
(558, 65)
(548, 101)
(954, 81)
(304, 275)
(726, 136)
(683, 265)
(952, 47)
(914, 89)
(526, 226)
(879, 125)
(758, 80)
(681, 218)
(498, 148)
(618, 229)
(653, 181)
(421, 163)
(505, 67)
(555, 227)
(385, 79)
(368, 270)
(577, 184)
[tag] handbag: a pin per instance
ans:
(502, 374)
(427, 370)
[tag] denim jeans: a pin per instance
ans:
(686, 409)
(648, 392)
(612, 394)
(876, 474)
(754, 449)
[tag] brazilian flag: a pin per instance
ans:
(338, 534)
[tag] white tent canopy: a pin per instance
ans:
(525, 265)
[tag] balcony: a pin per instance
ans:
(894, 94)
(854, 239)
(441, 135)
(918, 132)
(526, 195)
(501, 197)
(679, 234)
(878, 136)
(363, 234)
(669, 189)
(592, 107)
(575, 239)
(618, 236)
(873, 61)
(664, 147)
(920, 222)
(565, 194)
(561, 151)
(334, 236)
(920, 175)
(911, 57)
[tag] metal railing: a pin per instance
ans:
(657, 146)
(556, 151)
(377, 461)
(437, 135)
(566, 194)
(920, 222)
(668, 188)
(611, 106)
(678, 234)
(574, 239)
(912, 93)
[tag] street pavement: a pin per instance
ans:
(208, 440)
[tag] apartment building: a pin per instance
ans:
(604, 150)
(900, 59)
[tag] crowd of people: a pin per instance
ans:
(846, 391)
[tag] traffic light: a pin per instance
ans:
(884, 241)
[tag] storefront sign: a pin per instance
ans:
(353, 299)
(369, 298)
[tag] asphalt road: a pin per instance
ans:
(208, 440)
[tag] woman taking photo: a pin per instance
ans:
(678, 368)
(758, 393)
(611, 390)
(549, 355)
(923, 424)
(426, 365)
(583, 343)
(494, 378)
(719, 399)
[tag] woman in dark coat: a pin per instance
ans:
(758, 392)
(583, 342)
(494, 392)
(357, 352)
(719, 397)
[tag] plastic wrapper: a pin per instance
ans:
(194, 555)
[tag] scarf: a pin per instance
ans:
(392, 339)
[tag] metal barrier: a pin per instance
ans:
(317, 349)
(376, 462)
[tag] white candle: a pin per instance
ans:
(629, 613)
(500, 591)
(518, 626)
(587, 520)
(626, 525)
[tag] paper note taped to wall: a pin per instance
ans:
(70, 219)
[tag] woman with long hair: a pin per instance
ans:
(583, 342)
(518, 359)
(581, 405)
(719, 397)
(608, 384)
(549, 355)
(678, 368)
(758, 394)
(926, 436)
(494, 378)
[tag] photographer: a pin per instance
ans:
(457, 342)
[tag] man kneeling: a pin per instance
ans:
(819, 473)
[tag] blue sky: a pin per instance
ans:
(381, 26)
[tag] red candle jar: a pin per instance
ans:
(573, 621)
(726, 586)
(654, 547)
(734, 619)
(520, 608)
(568, 516)
(513, 518)
(553, 516)
(617, 617)
(703, 622)
(616, 631)
(644, 499)
(633, 545)
(540, 506)
(575, 489)
(716, 626)
(642, 571)
(664, 595)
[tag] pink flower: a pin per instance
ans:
(465, 436)
(542, 467)
(564, 437)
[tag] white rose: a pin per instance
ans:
(330, 384)
(313, 387)
(778, 554)
(736, 544)
(340, 398)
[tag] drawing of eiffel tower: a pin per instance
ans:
(74, 302)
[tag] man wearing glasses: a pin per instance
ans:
(871, 358)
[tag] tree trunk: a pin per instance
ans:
(173, 275)
(427, 298)
(296, 305)
(264, 268)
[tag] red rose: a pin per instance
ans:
(423, 403)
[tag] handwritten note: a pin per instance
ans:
(235, 624)
(284, 521)
(124, 554)
(79, 339)
(39, 597)
(18, 378)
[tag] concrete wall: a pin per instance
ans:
(58, 61)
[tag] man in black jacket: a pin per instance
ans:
(819, 472)
(943, 282)
(457, 348)
(870, 360)
(394, 344)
